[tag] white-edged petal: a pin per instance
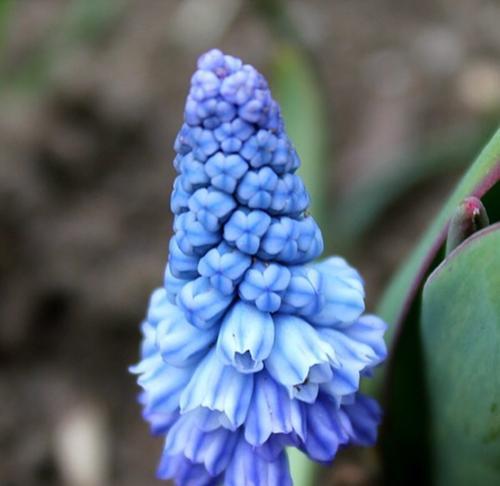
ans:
(219, 388)
(246, 337)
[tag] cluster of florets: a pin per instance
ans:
(249, 347)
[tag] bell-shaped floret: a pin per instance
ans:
(245, 229)
(246, 338)
(157, 310)
(280, 241)
(360, 419)
(264, 285)
(285, 158)
(191, 235)
(343, 293)
(249, 468)
(258, 150)
(232, 135)
(211, 208)
(179, 198)
(325, 430)
(202, 304)
(310, 240)
(179, 343)
(185, 472)
(193, 175)
(300, 359)
(181, 265)
(224, 266)
(172, 284)
(225, 171)
(272, 412)
(203, 144)
(303, 295)
(204, 84)
(289, 196)
(260, 110)
(219, 388)
(358, 346)
(162, 384)
(257, 187)
(239, 87)
(213, 449)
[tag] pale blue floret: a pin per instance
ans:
(202, 304)
(211, 208)
(304, 294)
(257, 187)
(245, 338)
(254, 469)
(204, 84)
(179, 197)
(191, 236)
(250, 347)
(272, 412)
(193, 173)
(289, 196)
(172, 284)
(182, 265)
(212, 448)
(219, 388)
(259, 148)
(231, 135)
(224, 266)
(202, 143)
(180, 344)
(342, 291)
(225, 171)
(245, 229)
(264, 285)
(300, 359)
(285, 159)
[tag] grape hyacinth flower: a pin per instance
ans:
(250, 347)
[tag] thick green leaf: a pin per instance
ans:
(404, 434)
(404, 289)
(460, 329)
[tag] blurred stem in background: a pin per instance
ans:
(296, 86)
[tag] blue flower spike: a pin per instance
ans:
(250, 346)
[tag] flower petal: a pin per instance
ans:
(181, 344)
(272, 412)
(297, 348)
(245, 331)
(220, 388)
(248, 468)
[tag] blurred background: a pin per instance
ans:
(388, 102)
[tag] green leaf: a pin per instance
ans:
(405, 401)
(460, 328)
(404, 289)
